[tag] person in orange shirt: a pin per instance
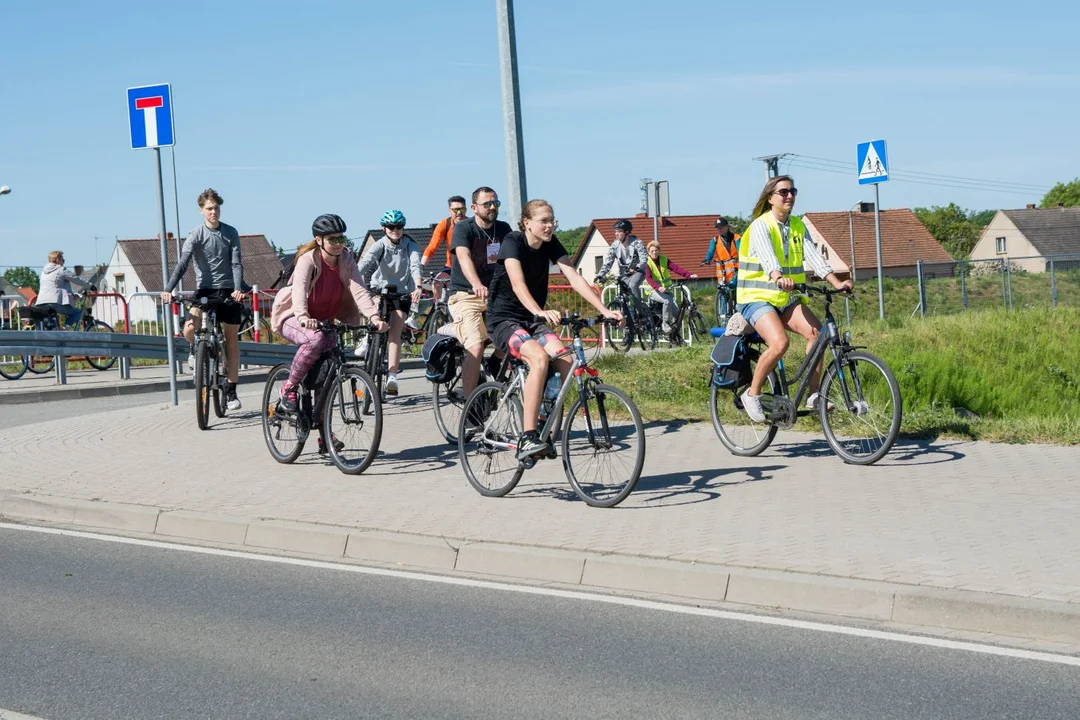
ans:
(724, 251)
(443, 233)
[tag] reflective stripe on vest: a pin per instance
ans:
(660, 274)
(754, 285)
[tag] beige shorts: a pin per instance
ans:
(467, 312)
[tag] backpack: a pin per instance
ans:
(440, 358)
(731, 358)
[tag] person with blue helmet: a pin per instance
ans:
(394, 260)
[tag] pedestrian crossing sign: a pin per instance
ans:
(873, 163)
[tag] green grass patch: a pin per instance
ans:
(993, 375)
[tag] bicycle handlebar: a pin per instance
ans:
(812, 290)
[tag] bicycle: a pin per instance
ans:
(246, 332)
(337, 398)
(724, 298)
(46, 318)
(448, 398)
(688, 314)
(376, 355)
(866, 409)
(601, 422)
(437, 315)
(639, 319)
(211, 380)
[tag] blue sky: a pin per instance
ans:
(292, 109)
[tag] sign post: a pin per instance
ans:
(150, 120)
(873, 169)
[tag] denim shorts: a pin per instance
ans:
(754, 311)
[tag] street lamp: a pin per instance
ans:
(4, 189)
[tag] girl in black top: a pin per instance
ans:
(516, 318)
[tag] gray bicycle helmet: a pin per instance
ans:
(623, 225)
(328, 224)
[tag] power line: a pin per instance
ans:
(930, 175)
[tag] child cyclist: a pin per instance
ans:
(516, 318)
(325, 285)
(394, 260)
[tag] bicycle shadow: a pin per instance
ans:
(415, 460)
(666, 426)
(903, 452)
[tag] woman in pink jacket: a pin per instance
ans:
(325, 285)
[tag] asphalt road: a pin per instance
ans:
(92, 629)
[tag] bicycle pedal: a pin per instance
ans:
(528, 463)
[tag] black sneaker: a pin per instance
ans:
(529, 444)
(289, 401)
(338, 445)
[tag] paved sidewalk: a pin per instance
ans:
(969, 536)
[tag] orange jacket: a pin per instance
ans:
(444, 232)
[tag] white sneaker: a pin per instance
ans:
(752, 405)
(361, 349)
(391, 385)
(410, 322)
(191, 362)
(234, 403)
(812, 401)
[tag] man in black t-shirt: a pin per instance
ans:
(517, 320)
(475, 244)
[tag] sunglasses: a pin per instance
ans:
(784, 192)
(490, 204)
(394, 227)
(457, 211)
(338, 240)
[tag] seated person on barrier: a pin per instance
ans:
(55, 289)
(325, 285)
(516, 318)
(774, 254)
(394, 260)
(219, 275)
(658, 274)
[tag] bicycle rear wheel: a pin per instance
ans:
(863, 430)
(448, 401)
(40, 364)
(202, 386)
(283, 433)
(644, 328)
(12, 367)
(699, 328)
(491, 423)
(603, 446)
(351, 435)
(739, 434)
(621, 338)
(217, 380)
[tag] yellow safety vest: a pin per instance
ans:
(754, 285)
(660, 271)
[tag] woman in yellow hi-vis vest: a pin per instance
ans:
(774, 254)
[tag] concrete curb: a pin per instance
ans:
(960, 610)
(134, 387)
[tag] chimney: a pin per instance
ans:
(1031, 206)
(866, 207)
(1061, 205)
(642, 215)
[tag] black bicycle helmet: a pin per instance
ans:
(328, 224)
(623, 225)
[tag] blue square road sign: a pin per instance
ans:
(150, 116)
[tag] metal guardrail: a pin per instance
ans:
(64, 344)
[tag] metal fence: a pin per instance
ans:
(1008, 282)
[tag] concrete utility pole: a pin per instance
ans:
(772, 164)
(516, 194)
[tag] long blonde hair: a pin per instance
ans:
(305, 248)
(762, 205)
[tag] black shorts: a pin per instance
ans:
(399, 302)
(510, 335)
(228, 312)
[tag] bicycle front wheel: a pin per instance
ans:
(283, 435)
(12, 367)
(865, 419)
(202, 385)
(100, 362)
(644, 327)
(699, 328)
(351, 435)
(603, 446)
(739, 434)
(620, 338)
(491, 423)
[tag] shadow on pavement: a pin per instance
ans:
(903, 452)
(415, 460)
(696, 486)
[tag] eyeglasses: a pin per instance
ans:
(490, 204)
(784, 192)
(336, 240)
(394, 227)
(548, 221)
(457, 211)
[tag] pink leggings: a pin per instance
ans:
(311, 344)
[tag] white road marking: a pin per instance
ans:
(12, 715)
(572, 595)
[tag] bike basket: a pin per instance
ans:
(439, 358)
(732, 362)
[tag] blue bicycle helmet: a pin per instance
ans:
(392, 217)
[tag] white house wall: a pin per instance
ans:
(140, 308)
(1016, 244)
(597, 247)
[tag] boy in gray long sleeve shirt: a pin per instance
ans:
(629, 252)
(394, 260)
